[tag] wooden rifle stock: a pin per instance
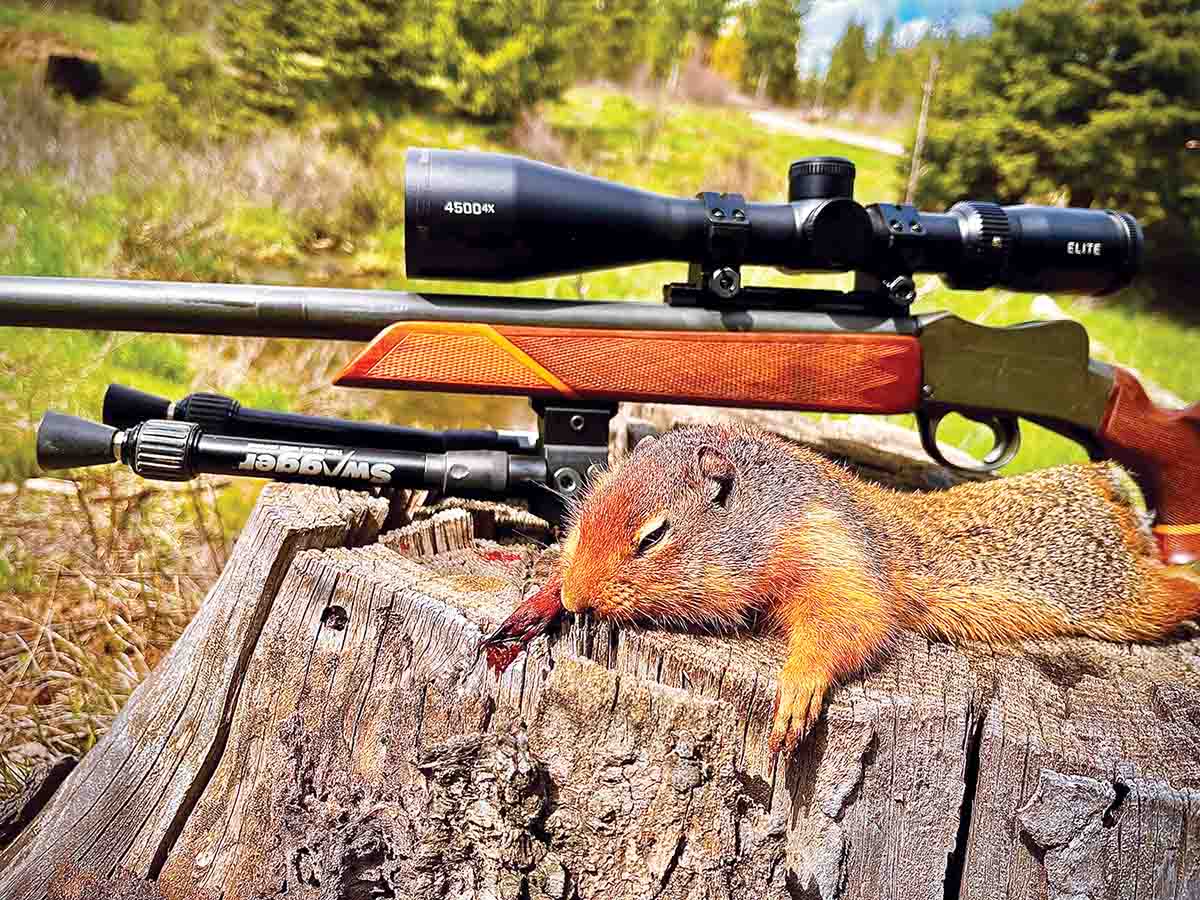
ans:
(835, 372)
(1162, 446)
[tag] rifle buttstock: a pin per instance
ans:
(1163, 447)
(852, 372)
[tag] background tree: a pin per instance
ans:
(1087, 105)
(618, 35)
(729, 53)
(285, 52)
(847, 65)
(493, 57)
(890, 73)
(772, 29)
(679, 28)
(704, 18)
(484, 59)
(885, 44)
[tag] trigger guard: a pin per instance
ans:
(1006, 433)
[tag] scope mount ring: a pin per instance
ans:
(726, 238)
(1006, 436)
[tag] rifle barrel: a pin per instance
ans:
(257, 310)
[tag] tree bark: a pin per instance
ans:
(914, 170)
(326, 728)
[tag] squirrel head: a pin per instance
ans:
(667, 533)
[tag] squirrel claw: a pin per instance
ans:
(798, 703)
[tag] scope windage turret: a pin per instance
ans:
(490, 217)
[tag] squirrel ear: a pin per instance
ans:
(718, 472)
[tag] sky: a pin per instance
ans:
(827, 20)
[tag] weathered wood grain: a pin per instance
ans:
(356, 746)
(123, 805)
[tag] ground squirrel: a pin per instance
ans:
(721, 526)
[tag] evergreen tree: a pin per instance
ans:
(493, 57)
(847, 66)
(286, 51)
(1088, 104)
(885, 44)
(772, 29)
(702, 18)
(485, 58)
(893, 72)
(679, 27)
(617, 37)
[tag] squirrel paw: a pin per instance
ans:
(798, 703)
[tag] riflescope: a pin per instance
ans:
(491, 217)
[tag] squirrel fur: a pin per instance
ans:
(727, 525)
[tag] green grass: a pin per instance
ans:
(49, 233)
(68, 371)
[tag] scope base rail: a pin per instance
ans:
(869, 296)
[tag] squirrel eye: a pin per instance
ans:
(653, 537)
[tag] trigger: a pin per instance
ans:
(1006, 436)
(1006, 432)
(927, 424)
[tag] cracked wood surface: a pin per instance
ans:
(327, 729)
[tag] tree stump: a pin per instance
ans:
(326, 728)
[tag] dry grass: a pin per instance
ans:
(85, 152)
(743, 174)
(180, 203)
(97, 580)
(533, 136)
(700, 84)
(93, 153)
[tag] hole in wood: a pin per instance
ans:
(335, 617)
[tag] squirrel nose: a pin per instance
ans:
(573, 599)
(569, 601)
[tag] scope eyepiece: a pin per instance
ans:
(490, 217)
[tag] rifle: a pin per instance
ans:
(714, 341)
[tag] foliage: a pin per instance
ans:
(892, 73)
(848, 66)
(1081, 105)
(705, 17)
(680, 28)
(289, 52)
(617, 37)
(153, 68)
(494, 57)
(772, 29)
(729, 53)
(483, 59)
(117, 10)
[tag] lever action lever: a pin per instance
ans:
(125, 407)
(167, 450)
